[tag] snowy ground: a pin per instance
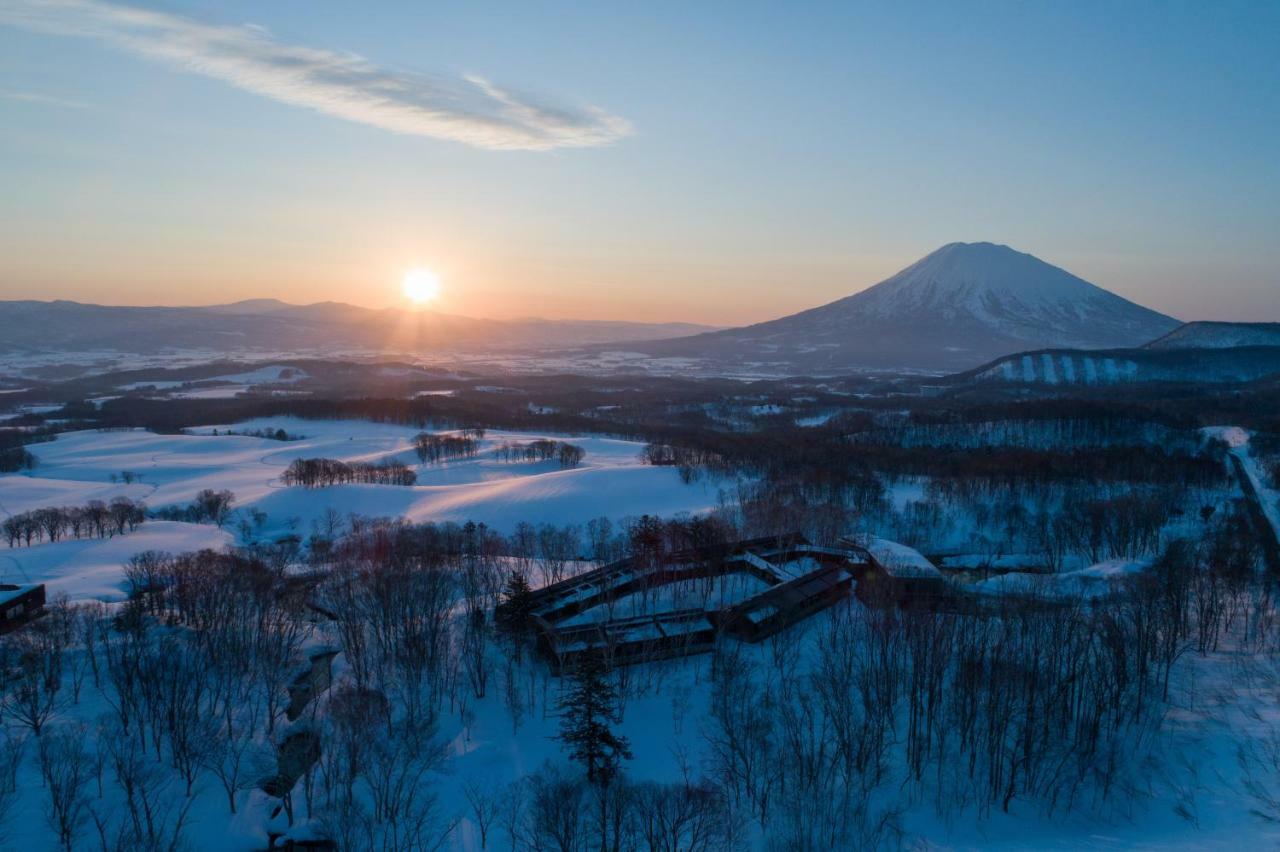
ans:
(1095, 581)
(222, 387)
(1237, 440)
(91, 568)
(78, 466)
(1197, 795)
(1196, 798)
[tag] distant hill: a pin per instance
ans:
(1219, 335)
(1077, 367)
(964, 304)
(267, 325)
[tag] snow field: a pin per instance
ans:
(76, 468)
(92, 568)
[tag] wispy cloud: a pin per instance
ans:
(37, 98)
(467, 109)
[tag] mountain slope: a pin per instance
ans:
(1219, 335)
(1103, 367)
(964, 304)
(272, 326)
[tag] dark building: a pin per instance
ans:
(788, 579)
(19, 604)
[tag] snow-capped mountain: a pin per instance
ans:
(956, 308)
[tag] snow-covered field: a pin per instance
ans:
(92, 568)
(1092, 582)
(78, 467)
(224, 386)
(1198, 788)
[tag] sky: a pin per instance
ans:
(710, 162)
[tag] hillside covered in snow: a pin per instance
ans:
(1219, 335)
(1089, 368)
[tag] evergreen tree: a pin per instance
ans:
(586, 712)
(514, 612)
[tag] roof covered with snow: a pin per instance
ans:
(898, 560)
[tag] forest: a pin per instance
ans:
(337, 685)
(823, 736)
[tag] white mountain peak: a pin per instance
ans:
(975, 275)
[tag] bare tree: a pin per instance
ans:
(681, 817)
(235, 759)
(155, 815)
(65, 766)
(33, 695)
(403, 808)
(554, 817)
(485, 803)
(12, 749)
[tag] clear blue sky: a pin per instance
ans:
(742, 160)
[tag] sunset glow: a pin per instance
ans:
(421, 286)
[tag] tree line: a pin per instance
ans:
(318, 473)
(14, 456)
(691, 461)
(543, 449)
(434, 449)
(15, 459)
(95, 519)
(278, 434)
(210, 506)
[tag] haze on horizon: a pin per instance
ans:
(717, 164)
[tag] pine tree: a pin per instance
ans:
(517, 604)
(586, 712)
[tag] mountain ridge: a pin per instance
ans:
(1218, 334)
(1113, 367)
(270, 325)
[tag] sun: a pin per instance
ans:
(420, 286)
